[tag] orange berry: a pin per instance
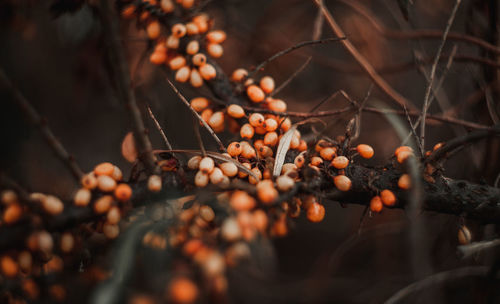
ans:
(238, 75)
(67, 242)
(242, 201)
(103, 204)
(207, 165)
(271, 139)
(247, 151)
(193, 47)
(12, 213)
(252, 180)
(182, 75)
(216, 36)
(260, 130)
(266, 191)
(340, 162)
(117, 174)
(403, 156)
(267, 84)
(111, 231)
(234, 149)
(182, 290)
(9, 266)
(123, 192)
(276, 105)
(82, 197)
(404, 182)
(265, 151)
(167, 6)
(201, 22)
(53, 205)
(206, 114)
(158, 58)
(388, 198)
(187, 4)
(247, 131)
(177, 62)
(9, 197)
(302, 146)
(216, 176)
(201, 179)
(154, 183)
(437, 146)
(199, 59)
(328, 153)
(192, 28)
(299, 161)
(195, 78)
(235, 111)
(464, 235)
(365, 151)
(256, 120)
(153, 29)
(286, 124)
(242, 174)
(179, 30)
(216, 121)
(316, 161)
(255, 93)
(106, 183)
(403, 148)
(199, 103)
(208, 71)
(270, 124)
(284, 183)
(104, 169)
(376, 204)
(128, 11)
(342, 182)
(315, 212)
(229, 169)
(172, 42)
(215, 50)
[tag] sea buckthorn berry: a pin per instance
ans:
(388, 198)
(208, 71)
(288, 167)
(277, 105)
(342, 182)
(216, 176)
(248, 152)
(299, 160)
(177, 62)
(104, 169)
(128, 11)
(167, 6)
(235, 111)
(340, 162)
(401, 149)
(195, 78)
(404, 182)
(193, 47)
(216, 120)
(365, 151)
(286, 124)
(113, 216)
(199, 103)
(207, 213)
(53, 205)
(103, 204)
(271, 139)
(328, 153)
(110, 231)
(316, 161)
(229, 169)
(9, 197)
(247, 131)
(179, 30)
(403, 156)
(260, 130)
(216, 36)
(302, 146)
(201, 22)
(315, 212)
(187, 4)
(252, 180)
(234, 149)
(215, 50)
(320, 145)
(201, 179)
(265, 151)
(123, 192)
(230, 230)
(12, 213)
(242, 201)
(158, 58)
(376, 204)
(266, 191)
(295, 142)
(144, 16)
(256, 120)
(194, 162)
(106, 183)
(255, 93)
(437, 146)
(464, 235)
(243, 174)
(191, 29)
(207, 165)
(199, 59)
(206, 114)
(67, 242)
(238, 75)
(270, 124)
(154, 183)
(153, 29)
(172, 42)
(9, 266)
(284, 183)
(182, 74)
(117, 174)
(267, 84)
(82, 197)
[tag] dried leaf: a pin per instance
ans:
(129, 150)
(283, 148)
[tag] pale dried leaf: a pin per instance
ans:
(129, 150)
(283, 147)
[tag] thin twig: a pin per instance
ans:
(119, 72)
(433, 71)
(42, 125)
(196, 127)
(365, 64)
(291, 49)
(184, 100)
(318, 25)
(159, 128)
(292, 77)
